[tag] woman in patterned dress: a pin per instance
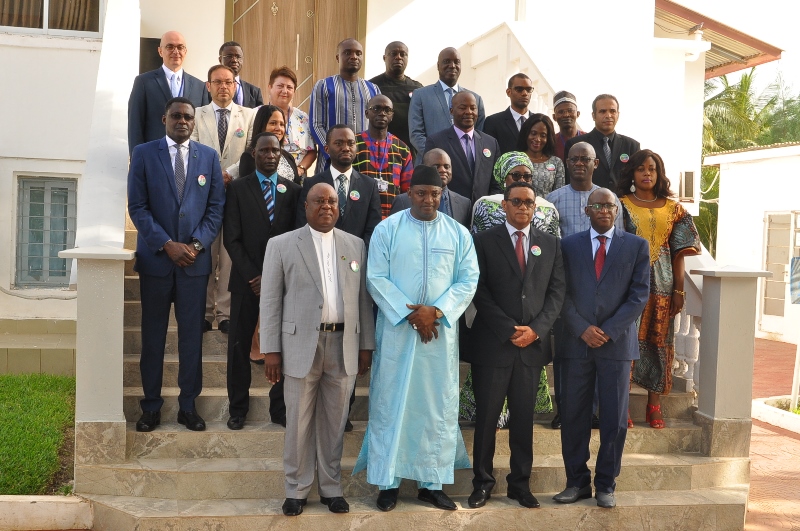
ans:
(282, 84)
(269, 119)
(537, 139)
(488, 212)
(650, 212)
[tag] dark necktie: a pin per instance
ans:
(342, 193)
(607, 151)
(222, 128)
(180, 172)
(519, 249)
(470, 154)
(444, 204)
(600, 257)
(266, 189)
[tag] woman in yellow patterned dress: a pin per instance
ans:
(650, 212)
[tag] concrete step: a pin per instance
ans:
(699, 510)
(132, 292)
(130, 238)
(262, 439)
(212, 404)
(220, 478)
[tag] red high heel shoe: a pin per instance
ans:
(654, 423)
(630, 420)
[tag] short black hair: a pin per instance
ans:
(518, 184)
(515, 76)
(265, 134)
(178, 99)
(604, 97)
(334, 128)
(227, 44)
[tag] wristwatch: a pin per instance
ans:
(198, 246)
(439, 313)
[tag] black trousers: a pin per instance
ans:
(244, 319)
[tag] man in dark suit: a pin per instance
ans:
(473, 154)
(456, 206)
(608, 282)
(257, 207)
(520, 293)
(359, 199)
(613, 149)
(151, 91)
(175, 199)
(247, 95)
(505, 125)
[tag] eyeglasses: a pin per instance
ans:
(378, 109)
(520, 90)
(171, 47)
(342, 143)
(517, 202)
(230, 56)
(597, 207)
(220, 83)
(585, 160)
(180, 115)
(516, 176)
(333, 203)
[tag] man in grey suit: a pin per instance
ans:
(430, 106)
(318, 331)
(454, 205)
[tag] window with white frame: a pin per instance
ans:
(57, 17)
(46, 219)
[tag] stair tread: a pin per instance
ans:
(168, 392)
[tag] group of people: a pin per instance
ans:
(427, 234)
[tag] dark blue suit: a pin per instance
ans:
(613, 303)
(149, 96)
(159, 216)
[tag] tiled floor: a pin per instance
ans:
(774, 453)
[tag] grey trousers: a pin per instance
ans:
(316, 412)
(218, 298)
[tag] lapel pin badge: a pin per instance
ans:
(536, 250)
(487, 153)
(281, 188)
(624, 158)
(201, 180)
(539, 214)
(355, 196)
(354, 266)
(239, 133)
(550, 166)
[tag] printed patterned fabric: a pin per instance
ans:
(298, 135)
(387, 161)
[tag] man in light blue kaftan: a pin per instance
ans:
(422, 273)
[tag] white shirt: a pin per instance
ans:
(169, 73)
(596, 243)
(517, 116)
(332, 302)
(173, 150)
(445, 87)
(335, 174)
(217, 107)
(525, 237)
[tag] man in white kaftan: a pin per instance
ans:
(422, 273)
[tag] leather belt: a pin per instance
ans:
(331, 327)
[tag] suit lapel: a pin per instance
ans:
(305, 244)
(533, 241)
(161, 79)
(511, 125)
(597, 142)
(191, 171)
(210, 122)
(455, 147)
(254, 186)
(343, 250)
(611, 253)
(437, 89)
(480, 159)
(166, 162)
(234, 123)
(506, 245)
(586, 251)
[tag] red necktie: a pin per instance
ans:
(600, 256)
(518, 248)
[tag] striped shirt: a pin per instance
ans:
(571, 203)
(336, 101)
(387, 161)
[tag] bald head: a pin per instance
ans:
(439, 159)
(581, 163)
(322, 207)
(449, 66)
(602, 218)
(172, 50)
(350, 56)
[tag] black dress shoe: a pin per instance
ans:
(556, 422)
(573, 494)
(148, 421)
(595, 422)
(236, 423)
(348, 427)
(224, 326)
(524, 497)
(478, 498)
(337, 504)
(387, 499)
(292, 506)
(191, 420)
(207, 326)
(257, 362)
(605, 500)
(438, 498)
(281, 421)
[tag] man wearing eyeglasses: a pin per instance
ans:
(151, 91)
(383, 156)
(520, 292)
(608, 283)
(505, 125)
(227, 128)
(566, 114)
(247, 94)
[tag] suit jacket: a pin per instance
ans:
(460, 205)
(613, 303)
(429, 114)
(251, 95)
(240, 131)
(247, 227)
(502, 126)
(361, 215)
(148, 98)
(158, 214)
(603, 175)
(471, 185)
(506, 298)
(291, 300)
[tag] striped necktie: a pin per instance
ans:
(222, 128)
(180, 172)
(266, 189)
(342, 193)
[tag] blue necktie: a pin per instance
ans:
(469, 153)
(267, 190)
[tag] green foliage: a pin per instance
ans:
(34, 411)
